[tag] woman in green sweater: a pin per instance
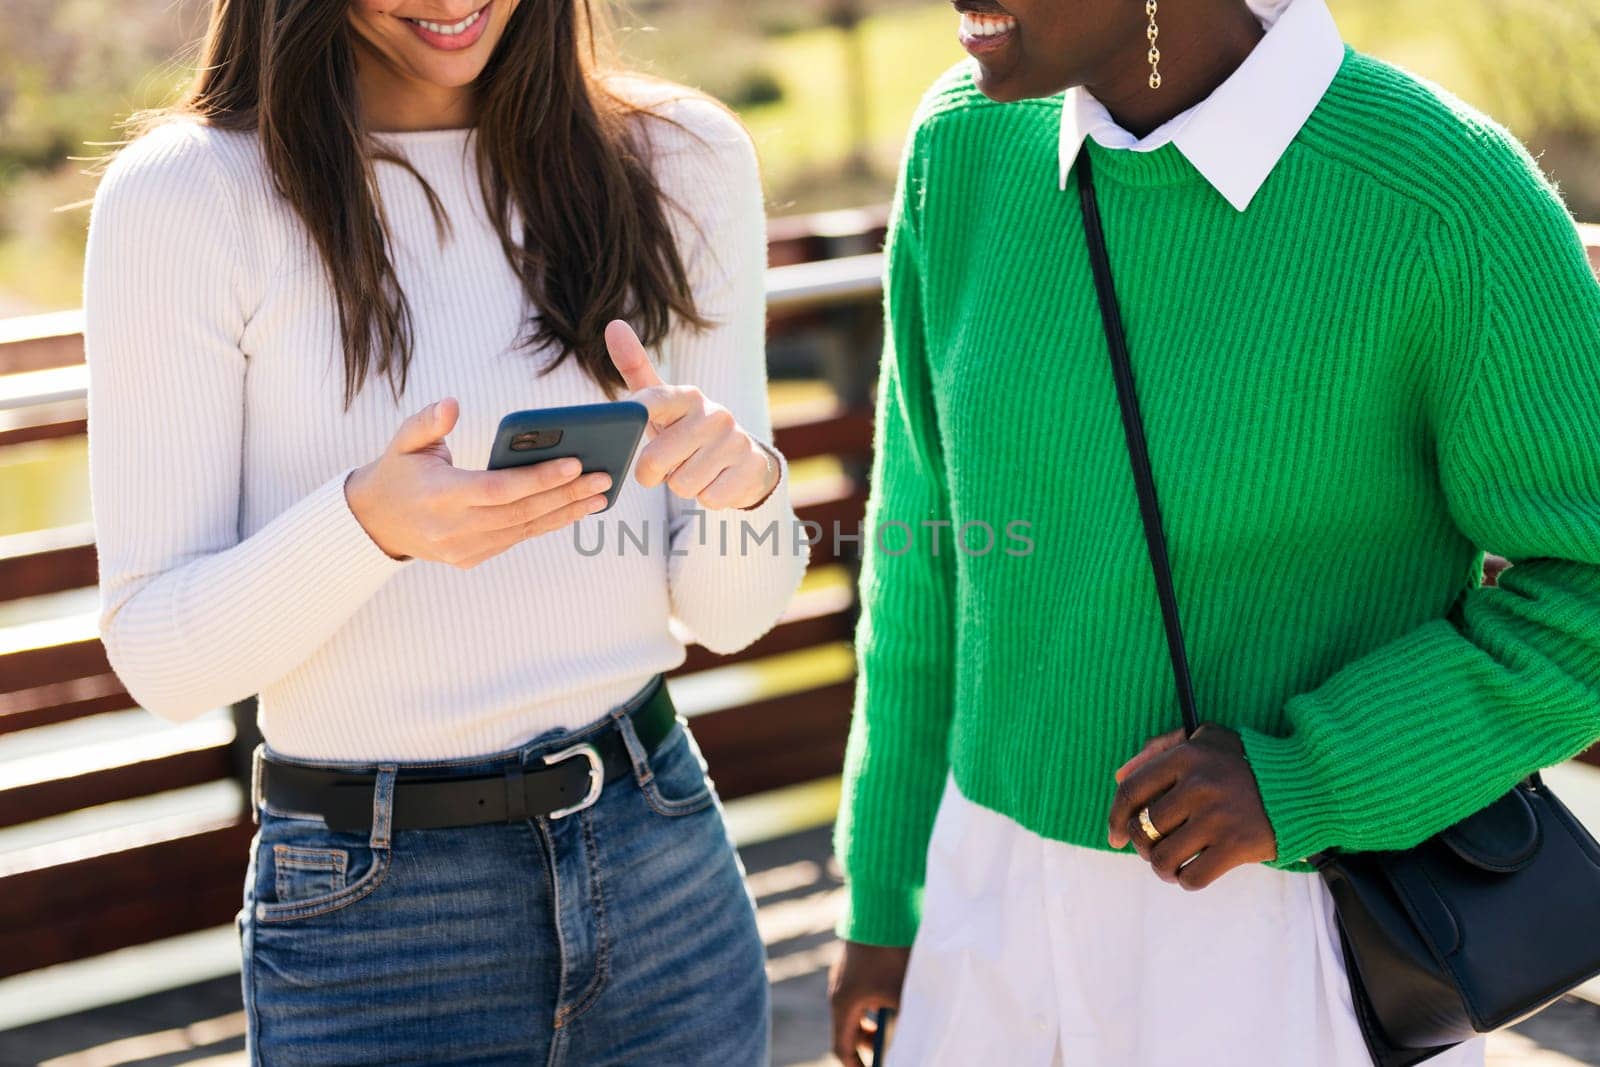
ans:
(1366, 340)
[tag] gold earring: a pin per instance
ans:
(1155, 53)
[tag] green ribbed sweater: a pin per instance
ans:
(1387, 365)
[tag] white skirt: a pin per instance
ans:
(1037, 952)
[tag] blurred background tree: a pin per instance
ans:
(826, 87)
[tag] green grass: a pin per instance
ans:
(809, 132)
(806, 138)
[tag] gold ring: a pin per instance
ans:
(1150, 830)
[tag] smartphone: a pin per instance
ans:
(880, 1039)
(603, 437)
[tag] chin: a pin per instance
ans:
(1016, 83)
(448, 75)
(1003, 88)
(440, 69)
(1005, 82)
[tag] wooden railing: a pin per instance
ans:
(184, 872)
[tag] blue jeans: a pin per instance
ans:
(620, 934)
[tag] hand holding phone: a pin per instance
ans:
(880, 1036)
(864, 985)
(696, 446)
(416, 504)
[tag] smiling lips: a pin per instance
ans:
(985, 31)
(452, 36)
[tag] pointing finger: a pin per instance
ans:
(629, 357)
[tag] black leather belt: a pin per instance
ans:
(569, 780)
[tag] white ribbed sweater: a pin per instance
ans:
(230, 561)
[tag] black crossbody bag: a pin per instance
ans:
(1481, 925)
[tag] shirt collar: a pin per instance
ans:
(1235, 136)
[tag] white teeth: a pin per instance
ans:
(451, 29)
(974, 25)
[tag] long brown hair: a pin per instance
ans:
(554, 141)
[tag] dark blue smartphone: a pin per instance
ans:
(602, 436)
(880, 1037)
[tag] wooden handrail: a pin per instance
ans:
(40, 342)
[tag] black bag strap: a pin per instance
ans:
(1133, 430)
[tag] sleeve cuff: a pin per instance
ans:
(342, 537)
(779, 487)
(880, 914)
(1304, 814)
(750, 526)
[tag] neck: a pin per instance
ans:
(393, 101)
(1201, 44)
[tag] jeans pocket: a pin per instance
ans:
(301, 873)
(677, 784)
(307, 870)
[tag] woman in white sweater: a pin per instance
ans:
(312, 290)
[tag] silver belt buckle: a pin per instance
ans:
(597, 775)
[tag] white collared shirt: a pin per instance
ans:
(1235, 136)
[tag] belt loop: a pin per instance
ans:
(622, 719)
(516, 795)
(382, 805)
(257, 797)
